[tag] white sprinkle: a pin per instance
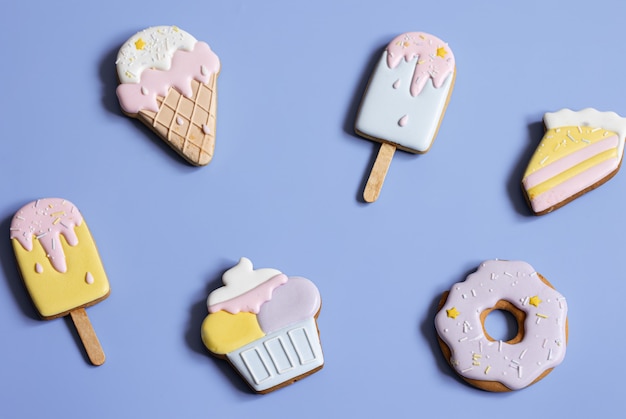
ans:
(580, 129)
(521, 356)
(474, 292)
(549, 354)
(584, 140)
(494, 276)
(203, 70)
(20, 218)
(463, 339)
(519, 372)
(179, 120)
(64, 225)
(499, 346)
(480, 346)
(525, 300)
(41, 235)
(508, 274)
(53, 244)
(464, 296)
(544, 343)
(515, 362)
(467, 369)
(596, 129)
(571, 138)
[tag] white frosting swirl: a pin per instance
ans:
(240, 279)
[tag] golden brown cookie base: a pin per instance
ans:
(520, 316)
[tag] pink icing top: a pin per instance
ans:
(47, 219)
(199, 64)
(434, 58)
(252, 300)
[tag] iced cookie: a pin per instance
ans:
(60, 265)
(168, 80)
(497, 365)
(579, 152)
(264, 324)
(405, 100)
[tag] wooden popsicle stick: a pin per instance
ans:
(379, 171)
(88, 336)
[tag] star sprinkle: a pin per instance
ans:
(453, 313)
(441, 52)
(140, 44)
(535, 301)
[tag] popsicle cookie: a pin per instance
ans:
(264, 324)
(578, 152)
(405, 100)
(60, 265)
(168, 80)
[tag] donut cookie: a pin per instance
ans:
(579, 152)
(496, 365)
(168, 80)
(264, 324)
(60, 265)
(405, 100)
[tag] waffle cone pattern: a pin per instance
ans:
(187, 124)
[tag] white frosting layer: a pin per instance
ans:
(588, 117)
(240, 279)
(151, 48)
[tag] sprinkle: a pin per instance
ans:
(14, 229)
(203, 70)
(580, 129)
(519, 372)
(571, 138)
(515, 362)
(56, 214)
(544, 343)
(463, 339)
(20, 218)
(464, 296)
(64, 225)
(494, 276)
(487, 369)
(499, 346)
(206, 129)
(55, 222)
(543, 316)
(474, 292)
(508, 274)
(557, 146)
(467, 369)
(549, 354)
(53, 244)
(41, 235)
(584, 140)
(521, 356)
(179, 120)
(596, 129)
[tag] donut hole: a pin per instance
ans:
(503, 322)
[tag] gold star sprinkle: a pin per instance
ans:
(452, 313)
(140, 43)
(441, 52)
(535, 301)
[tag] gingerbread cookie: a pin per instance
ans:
(579, 152)
(60, 265)
(264, 324)
(405, 100)
(496, 365)
(168, 80)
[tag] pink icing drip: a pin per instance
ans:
(252, 300)
(402, 122)
(198, 64)
(429, 65)
(47, 219)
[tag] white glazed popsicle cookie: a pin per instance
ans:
(405, 100)
(60, 265)
(168, 80)
(264, 324)
(578, 152)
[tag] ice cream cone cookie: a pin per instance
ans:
(264, 324)
(60, 265)
(405, 100)
(168, 80)
(497, 365)
(579, 152)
